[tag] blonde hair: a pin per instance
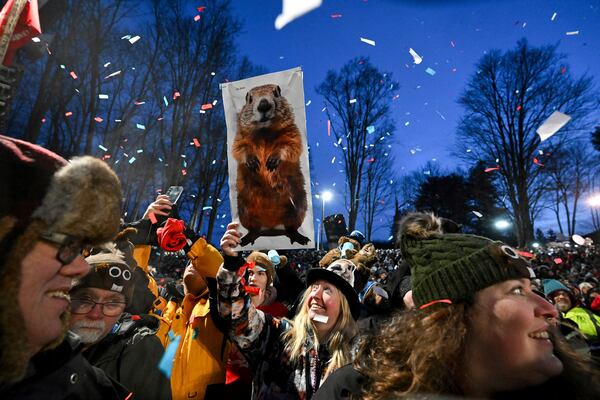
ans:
(338, 339)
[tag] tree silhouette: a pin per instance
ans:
(357, 100)
(506, 100)
(596, 138)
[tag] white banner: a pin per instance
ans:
(269, 179)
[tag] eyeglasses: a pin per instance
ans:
(109, 309)
(69, 248)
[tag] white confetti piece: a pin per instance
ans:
(140, 126)
(102, 148)
(551, 125)
(417, 59)
(113, 74)
(103, 96)
(553, 17)
(572, 33)
(477, 214)
(321, 318)
(308, 103)
(352, 101)
(134, 39)
(333, 160)
(367, 41)
(166, 101)
(292, 9)
(106, 64)
(131, 160)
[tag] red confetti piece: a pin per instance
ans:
(196, 142)
(138, 103)
(537, 162)
(176, 95)
(252, 290)
(336, 15)
(200, 9)
(73, 75)
(183, 172)
(518, 108)
(105, 157)
(43, 120)
(135, 317)
(491, 169)
(197, 18)
(372, 159)
(328, 128)
(98, 119)
(152, 218)
(563, 70)
(68, 114)
(558, 261)
(206, 106)
(525, 254)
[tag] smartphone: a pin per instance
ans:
(174, 193)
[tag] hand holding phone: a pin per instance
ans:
(174, 193)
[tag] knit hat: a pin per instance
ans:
(553, 285)
(263, 262)
(113, 267)
(340, 273)
(42, 194)
(452, 266)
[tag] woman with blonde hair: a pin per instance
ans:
(478, 329)
(290, 359)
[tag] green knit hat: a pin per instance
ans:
(453, 266)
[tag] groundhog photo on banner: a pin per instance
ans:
(269, 180)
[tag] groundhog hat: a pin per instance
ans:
(452, 267)
(340, 273)
(44, 195)
(113, 267)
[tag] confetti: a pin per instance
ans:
(416, 58)
(551, 125)
(578, 239)
(206, 106)
(308, 103)
(183, 172)
(336, 15)
(292, 9)
(328, 127)
(321, 318)
(152, 218)
(139, 103)
(206, 208)
(131, 160)
(477, 214)
(134, 39)
(106, 64)
(176, 95)
(140, 126)
(166, 362)
(537, 162)
(113, 74)
(352, 101)
(68, 114)
(73, 75)
(140, 151)
(103, 96)
(430, 71)
(197, 18)
(102, 148)
(98, 119)
(370, 129)
(201, 8)
(572, 33)
(166, 101)
(367, 41)
(196, 142)
(558, 260)
(497, 168)
(553, 17)
(333, 160)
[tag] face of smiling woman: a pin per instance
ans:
(508, 346)
(324, 299)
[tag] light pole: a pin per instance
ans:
(325, 197)
(501, 224)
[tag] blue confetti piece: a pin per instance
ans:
(370, 129)
(131, 160)
(102, 147)
(166, 362)
(430, 71)
(206, 208)
(166, 102)
(171, 336)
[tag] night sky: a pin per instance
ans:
(451, 36)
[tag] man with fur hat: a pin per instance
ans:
(48, 214)
(122, 345)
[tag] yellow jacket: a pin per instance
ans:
(141, 254)
(203, 350)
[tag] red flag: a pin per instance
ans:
(27, 27)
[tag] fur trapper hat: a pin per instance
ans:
(452, 267)
(43, 194)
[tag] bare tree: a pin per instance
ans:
(506, 100)
(358, 99)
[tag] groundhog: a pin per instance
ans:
(270, 184)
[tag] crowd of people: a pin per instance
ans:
(90, 312)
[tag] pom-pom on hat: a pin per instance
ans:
(339, 273)
(453, 266)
